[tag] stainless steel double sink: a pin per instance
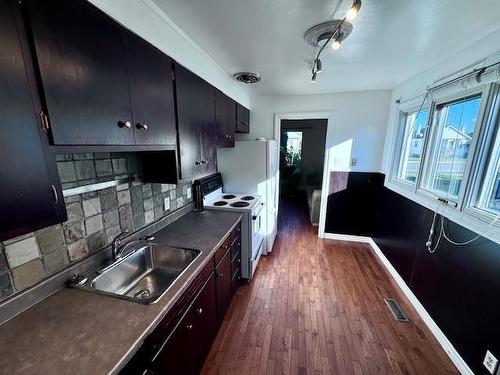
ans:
(142, 276)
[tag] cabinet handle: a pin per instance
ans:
(198, 162)
(189, 327)
(205, 162)
(199, 310)
(220, 274)
(238, 260)
(142, 126)
(126, 124)
(56, 196)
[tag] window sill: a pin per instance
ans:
(465, 219)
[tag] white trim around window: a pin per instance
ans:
(481, 172)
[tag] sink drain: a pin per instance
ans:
(143, 293)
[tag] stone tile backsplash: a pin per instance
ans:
(94, 218)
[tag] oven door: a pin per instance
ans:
(257, 230)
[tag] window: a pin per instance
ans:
(489, 194)
(449, 152)
(291, 149)
(414, 129)
(454, 128)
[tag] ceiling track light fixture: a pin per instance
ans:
(324, 33)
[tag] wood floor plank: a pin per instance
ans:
(316, 307)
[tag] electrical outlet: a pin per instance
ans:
(166, 204)
(189, 192)
(354, 162)
(490, 362)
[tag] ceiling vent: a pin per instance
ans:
(247, 77)
(318, 34)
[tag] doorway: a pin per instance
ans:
(302, 155)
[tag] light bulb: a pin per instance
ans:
(336, 44)
(353, 12)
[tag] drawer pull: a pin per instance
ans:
(199, 310)
(142, 126)
(189, 327)
(126, 124)
(220, 274)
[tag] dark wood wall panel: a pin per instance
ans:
(458, 285)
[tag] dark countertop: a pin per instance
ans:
(77, 332)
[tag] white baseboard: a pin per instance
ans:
(447, 346)
(346, 237)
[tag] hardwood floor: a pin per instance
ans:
(316, 307)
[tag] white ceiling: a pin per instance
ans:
(392, 40)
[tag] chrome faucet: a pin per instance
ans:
(118, 247)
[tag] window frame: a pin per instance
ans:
(489, 133)
(464, 212)
(431, 144)
(404, 111)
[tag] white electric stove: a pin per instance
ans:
(251, 206)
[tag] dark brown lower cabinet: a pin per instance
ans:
(185, 350)
(223, 275)
(182, 340)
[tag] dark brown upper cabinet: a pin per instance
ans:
(30, 194)
(102, 84)
(225, 118)
(151, 91)
(83, 69)
(195, 124)
(242, 119)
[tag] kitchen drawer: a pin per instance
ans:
(222, 250)
(235, 265)
(235, 247)
(236, 232)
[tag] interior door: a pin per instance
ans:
(82, 64)
(187, 87)
(152, 92)
(29, 194)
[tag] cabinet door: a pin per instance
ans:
(209, 130)
(152, 92)
(83, 68)
(204, 318)
(30, 195)
(176, 355)
(242, 119)
(187, 86)
(223, 284)
(225, 118)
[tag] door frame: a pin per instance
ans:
(312, 115)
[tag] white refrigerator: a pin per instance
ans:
(252, 167)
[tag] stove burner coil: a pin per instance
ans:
(229, 196)
(220, 203)
(247, 198)
(240, 204)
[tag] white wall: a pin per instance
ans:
(482, 49)
(359, 117)
(147, 20)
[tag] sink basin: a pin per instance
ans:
(142, 276)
